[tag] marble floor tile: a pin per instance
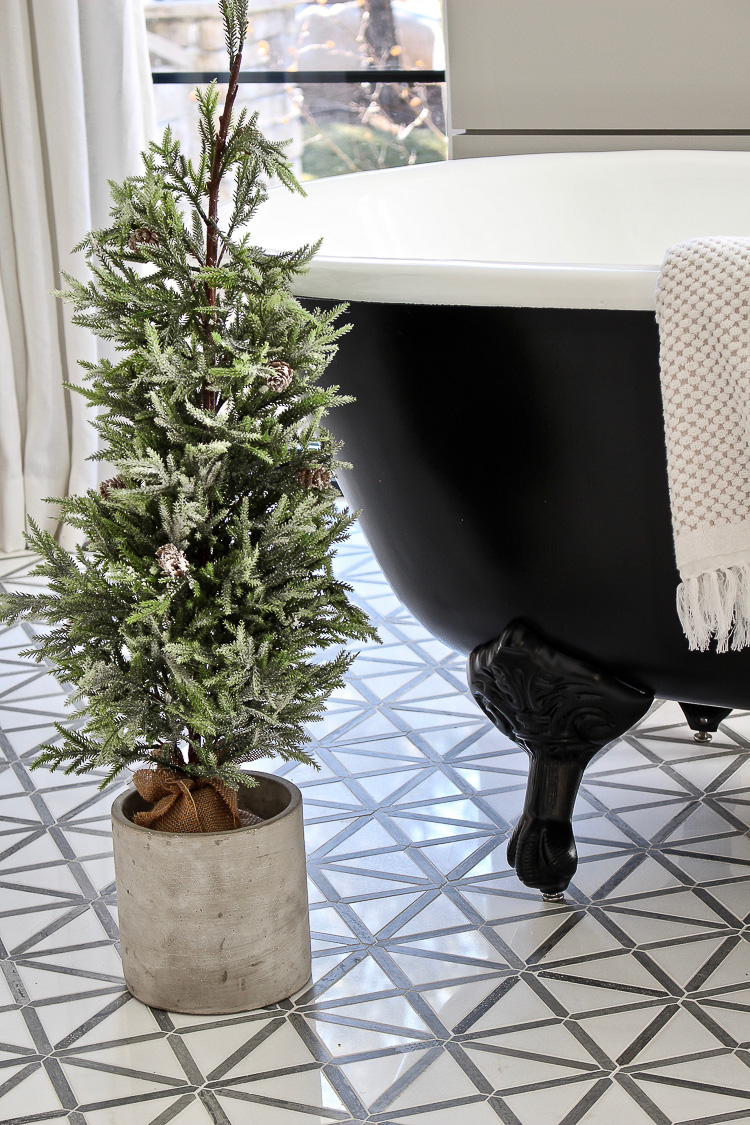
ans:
(443, 991)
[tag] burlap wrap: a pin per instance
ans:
(184, 804)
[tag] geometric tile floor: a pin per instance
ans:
(444, 993)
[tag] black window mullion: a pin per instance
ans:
(298, 77)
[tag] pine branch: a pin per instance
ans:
(217, 165)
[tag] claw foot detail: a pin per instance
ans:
(703, 720)
(562, 711)
(544, 854)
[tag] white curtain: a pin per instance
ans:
(76, 109)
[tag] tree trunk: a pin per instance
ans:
(381, 32)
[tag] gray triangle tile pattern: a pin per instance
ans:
(443, 990)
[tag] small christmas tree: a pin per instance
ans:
(192, 617)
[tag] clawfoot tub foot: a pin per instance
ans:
(562, 711)
(704, 721)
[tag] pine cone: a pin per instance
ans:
(315, 478)
(172, 561)
(109, 486)
(142, 234)
(282, 376)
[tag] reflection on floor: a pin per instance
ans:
(443, 991)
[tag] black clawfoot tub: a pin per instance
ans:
(507, 438)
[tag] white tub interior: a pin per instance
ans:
(569, 230)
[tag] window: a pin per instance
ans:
(318, 73)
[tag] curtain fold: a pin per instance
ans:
(76, 109)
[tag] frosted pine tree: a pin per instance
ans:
(193, 619)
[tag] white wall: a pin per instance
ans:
(545, 75)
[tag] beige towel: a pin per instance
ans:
(703, 309)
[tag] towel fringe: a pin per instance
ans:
(716, 604)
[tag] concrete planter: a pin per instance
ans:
(214, 922)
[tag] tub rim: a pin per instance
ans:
(486, 284)
(501, 283)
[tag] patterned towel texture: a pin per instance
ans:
(702, 306)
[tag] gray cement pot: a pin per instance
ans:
(214, 922)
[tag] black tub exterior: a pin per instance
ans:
(510, 465)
